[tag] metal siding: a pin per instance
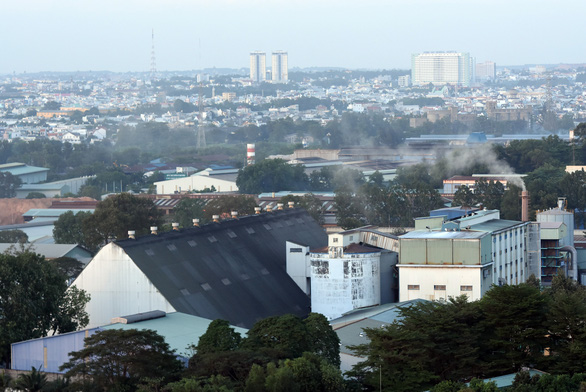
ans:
(412, 252)
(467, 252)
(439, 252)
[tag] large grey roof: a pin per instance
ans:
(234, 270)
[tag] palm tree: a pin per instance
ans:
(34, 381)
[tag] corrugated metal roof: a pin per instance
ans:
(179, 329)
(427, 234)
(495, 225)
(53, 212)
(19, 169)
(234, 270)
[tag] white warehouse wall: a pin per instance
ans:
(117, 287)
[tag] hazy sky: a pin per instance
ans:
(81, 35)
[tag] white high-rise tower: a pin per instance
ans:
(258, 66)
(442, 68)
(280, 70)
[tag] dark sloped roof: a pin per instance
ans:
(234, 270)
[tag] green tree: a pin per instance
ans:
(323, 341)
(511, 203)
(34, 300)
(489, 193)
(256, 379)
(117, 358)
(464, 197)
(35, 381)
(8, 185)
(271, 175)
(219, 336)
(13, 236)
(68, 266)
(118, 214)
(188, 209)
(309, 202)
(565, 323)
(35, 195)
(285, 334)
(224, 206)
(70, 229)
(514, 325)
(52, 105)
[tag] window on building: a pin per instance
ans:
(413, 287)
(351, 238)
(295, 250)
(465, 288)
(335, 239)
(439, 287)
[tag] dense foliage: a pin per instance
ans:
(509, 329)
(34, 301)
(117, 359)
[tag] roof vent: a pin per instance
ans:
(291, 204)
(175, 226)
(132, 234)
(154, 230)
(257, 210)
(216, 218)
(195, 221)
(279, 206)
(135, 318)
(269, 209)
(234, 214)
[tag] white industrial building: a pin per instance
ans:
(356, 270)
(220, 180)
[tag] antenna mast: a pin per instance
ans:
(201, 132)
(153, 58)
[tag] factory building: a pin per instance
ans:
(465, 255)
(357, 269)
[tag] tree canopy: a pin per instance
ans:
(117, 358)
(8, 185)
(34, 301)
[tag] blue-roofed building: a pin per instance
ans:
(49, 353)
(27, 174)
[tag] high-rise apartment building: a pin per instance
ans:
(486, 70)
(442, 68)
(258, 66)
(280, 70)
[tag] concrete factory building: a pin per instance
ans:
(355, 270)
(234, 270)
(465, 256)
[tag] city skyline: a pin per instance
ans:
(65, 35)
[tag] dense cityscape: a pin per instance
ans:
(273, 224)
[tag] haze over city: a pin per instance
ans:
(67, 35)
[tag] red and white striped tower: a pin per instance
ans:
(250, 154)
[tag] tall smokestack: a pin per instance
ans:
(525, 206)
(250, 154)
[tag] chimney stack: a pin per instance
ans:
(216, 218)
(250, 154)
(257, 210)
(195, 221)
(279, 206)
(525, 206)
(291, 204)
(132, 234)
(234, 214)
(154, 230)
(175, 226)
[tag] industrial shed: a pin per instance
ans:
(234, 270)
(49, 353)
